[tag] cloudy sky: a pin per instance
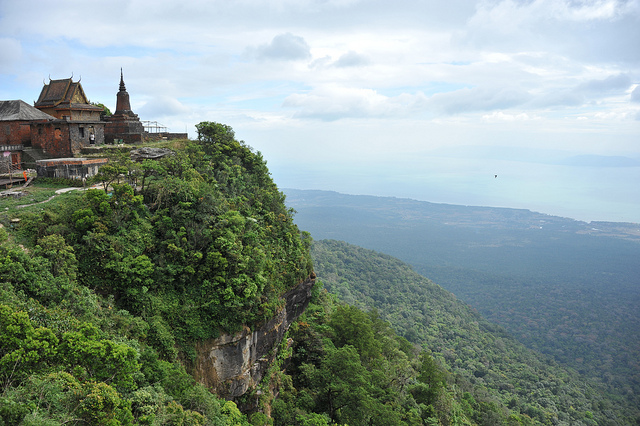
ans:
(427, 99)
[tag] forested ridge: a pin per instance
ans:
(479, 352)
(105, 291)
(348, 366)
(566, 288)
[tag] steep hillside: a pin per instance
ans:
(566, 288)
(469, 346)
(348, 366)
(105, 293)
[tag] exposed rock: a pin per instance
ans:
(231, 364)
(149, 153)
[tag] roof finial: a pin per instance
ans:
(122, 88)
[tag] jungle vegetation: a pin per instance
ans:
(348, 366)
(565, 288)
(480, 356)
(105, 291)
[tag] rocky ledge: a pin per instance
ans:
(231, 364)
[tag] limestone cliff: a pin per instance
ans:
(231, 364)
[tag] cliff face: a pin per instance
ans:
(230, 364)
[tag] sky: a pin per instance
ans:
(526, 104)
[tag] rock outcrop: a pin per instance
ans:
(231, 364)
(147, 153)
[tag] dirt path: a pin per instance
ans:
(58, 192)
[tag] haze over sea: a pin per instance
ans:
(582, 192)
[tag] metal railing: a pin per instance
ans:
(154, 127)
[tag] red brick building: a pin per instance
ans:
(78, 122)
(61, 123)
(17, 119)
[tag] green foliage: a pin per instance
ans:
(349, 367)
(114, 286)
(23, 348)
(106, 111)
(62, 182)
(61, 257)
(562, 287)
(498, 374)
(215, 133)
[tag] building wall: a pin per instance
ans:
(65, 138)
(84, 115)
(80, 135)
(63, 113)
(15, 133)
(53, 138)
(165, 136)
(69, 168)
(51, 111)
(10, 158)
(121, 129)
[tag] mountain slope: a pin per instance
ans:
(104, 294)
(567, 288)
(461, 339)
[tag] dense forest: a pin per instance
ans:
(105, 291)
(463, 342)
(565, 288)
(348, 366)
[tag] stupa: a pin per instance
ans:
(123, 126)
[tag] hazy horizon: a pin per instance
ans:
(427, 100)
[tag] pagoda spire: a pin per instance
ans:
(122, 88)
(123, 125)
(122, 98)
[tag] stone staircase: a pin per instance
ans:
(30, 155)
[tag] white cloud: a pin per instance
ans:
(283, 47)
(497, 116)
(478, 99)
(613, 83)
(10, 53)
(352, 59)
(590, 29)
(635, 95)
(592, 90)
(335, 102)
(162, 106)
(561, 73)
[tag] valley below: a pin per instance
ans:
(564, 288)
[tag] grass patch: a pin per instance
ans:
(34, 197)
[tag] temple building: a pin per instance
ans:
(62, 124)
(123, 126)
(16, 126)
(77, 123)
(65, 99)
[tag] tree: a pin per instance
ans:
(343, 385)
(23, 348)
(106, 112)
(108, 174)
(354, 327)
(211, 133)
(61, 257)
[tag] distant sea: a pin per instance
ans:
(580, 190)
